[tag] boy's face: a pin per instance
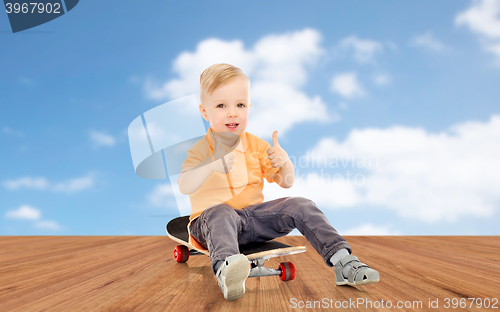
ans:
(227, 107)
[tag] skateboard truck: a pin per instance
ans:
(286, 270)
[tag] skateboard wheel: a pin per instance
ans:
(181, 253)
(287, 271)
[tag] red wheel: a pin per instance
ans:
(181, 253)
(287, 271)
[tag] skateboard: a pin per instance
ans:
(256, 253)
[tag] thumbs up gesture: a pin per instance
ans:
(221, 162)
(276, 154)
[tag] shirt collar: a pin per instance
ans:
(242, 142)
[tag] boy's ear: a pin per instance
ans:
(203, 112)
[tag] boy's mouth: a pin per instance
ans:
(232, 126)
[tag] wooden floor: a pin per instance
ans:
(138, 273)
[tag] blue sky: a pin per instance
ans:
(412, 85)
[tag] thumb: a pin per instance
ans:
(275, 139)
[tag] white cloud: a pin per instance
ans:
(325, 190)
(427, 41)
(277, 66)
(347, 85)
(27, 182)
(101, 139)
(483, 18)
(24, 212)
(69, 186)
(48, 225)
(369, 229)
(382, 79)
(75, 185)
(290, 104)
(426, 176)
(284, 58)
(162, 196)
(364, 50)
(188, 66)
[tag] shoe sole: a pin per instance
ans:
(234, 278)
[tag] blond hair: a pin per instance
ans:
(217, 76)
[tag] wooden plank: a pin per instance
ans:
(138, 273)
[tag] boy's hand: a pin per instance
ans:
(219, 156)
(276, 154)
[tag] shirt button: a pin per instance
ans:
(233, 168)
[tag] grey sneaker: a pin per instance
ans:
(359, 273)
(232, 274)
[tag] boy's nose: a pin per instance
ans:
(231, 113)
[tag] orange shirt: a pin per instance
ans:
(243, 185)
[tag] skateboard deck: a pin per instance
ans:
(256, 253)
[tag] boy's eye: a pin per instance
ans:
(242, 105)
(221, 106)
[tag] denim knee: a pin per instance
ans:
(221, 212)
(301, 205)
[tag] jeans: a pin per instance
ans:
(221, 228)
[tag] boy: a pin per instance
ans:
(223, 175)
